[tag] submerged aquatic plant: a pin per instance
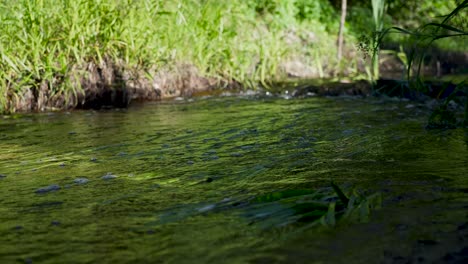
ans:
(313, 208)
(357, 207)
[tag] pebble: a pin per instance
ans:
(2, 176)
(50, 188)
(93, 159)
(225, 200)
(81, 181)
(206, 208)
(246, 147)
(108, 176)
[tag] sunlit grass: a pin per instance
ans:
(46, 45)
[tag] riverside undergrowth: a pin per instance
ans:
(55, 53)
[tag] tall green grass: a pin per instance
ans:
(378, 13)
(46, 44)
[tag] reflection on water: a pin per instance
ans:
(186, 182)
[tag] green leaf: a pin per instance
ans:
(340, 193)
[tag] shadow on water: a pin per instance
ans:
(233, 179)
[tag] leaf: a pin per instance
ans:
(364, 211)
(330, 216)
(275, 196)
(340, 193)
(445, 26)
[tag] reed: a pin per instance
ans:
(451, 26)
(378, 12)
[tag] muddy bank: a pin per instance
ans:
(112, 85)
(388, 87)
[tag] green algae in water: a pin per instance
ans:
(231, 180)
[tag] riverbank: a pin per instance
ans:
(94, 54)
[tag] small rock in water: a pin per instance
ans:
(108, 176)
(246, 147)
(2, 176)
(190, 162)
(209, 179)
(55, 223)
(18, 227)
(50, 188)
(81, 181)
(72, 133)
(62, 164)
(236, 154)
(214, 157)
(93, 159)
(206, 208)
(225, 200)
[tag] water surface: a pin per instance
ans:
(220, 180)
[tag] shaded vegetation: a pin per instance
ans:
(452, 26)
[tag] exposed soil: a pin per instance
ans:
(110, 84)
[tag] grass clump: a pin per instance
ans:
(55, 53)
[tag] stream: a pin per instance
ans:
(234, 179)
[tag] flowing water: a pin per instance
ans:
(232, 180)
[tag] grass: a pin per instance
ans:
(55, 52)
(453, 27)
(48, 45)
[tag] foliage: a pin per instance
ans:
(314, 207)
(421, 39)
(48, 43)
(378, 12)
(412, 14)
